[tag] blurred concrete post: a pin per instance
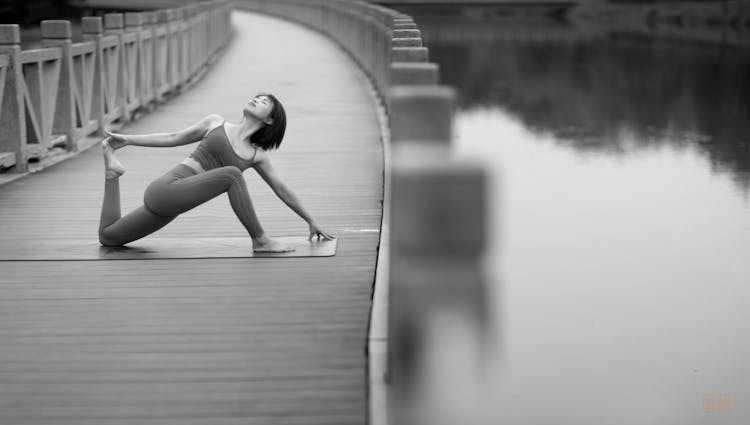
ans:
(407, 42)
(414, 73)
(58, 34)
(404, 25)
(437, 290)
(12, 114)
(407, 46)
(421, 114)
(406, 33)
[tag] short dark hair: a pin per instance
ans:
(270, 135)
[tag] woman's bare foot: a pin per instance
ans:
(266, 244)
(112, 167)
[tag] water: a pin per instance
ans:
(620, 233)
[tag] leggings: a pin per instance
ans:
(177, 191)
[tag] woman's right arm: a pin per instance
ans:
(185, 136)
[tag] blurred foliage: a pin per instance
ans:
(30, 12)
(606, 91)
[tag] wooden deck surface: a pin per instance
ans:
(205, 341)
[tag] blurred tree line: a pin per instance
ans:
(30, 12)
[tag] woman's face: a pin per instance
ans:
(259, 107)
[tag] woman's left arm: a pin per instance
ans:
(268, 174)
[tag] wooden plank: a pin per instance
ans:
(196, 341)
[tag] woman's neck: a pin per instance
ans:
(245, 128)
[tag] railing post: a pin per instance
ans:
(409, 54)
(91, 30)
(407, 42)
(58, 34)
(414, 73)
(421, 113)
(161, 54)
(194, 39)
(184, 44)
(12, 115)
(437, 297)
(173, 29)
(134, 24)
(114, 25)
(148, 59)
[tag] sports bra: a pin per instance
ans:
(215, 151)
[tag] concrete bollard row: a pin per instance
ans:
(107, 77)
(437, 235)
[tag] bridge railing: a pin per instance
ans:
(433, 229)
(57, 95)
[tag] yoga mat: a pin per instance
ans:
(160, 248)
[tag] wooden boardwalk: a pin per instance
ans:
(210, 341)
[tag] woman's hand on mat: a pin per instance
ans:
(116, 140)
(317, 231)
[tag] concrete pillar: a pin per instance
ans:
(406, 33)
(181, 45)
(12, 113)
(404, 26)
(407, 42)
(409, 54)
(92, 29)
(58, 34)
(161, 58)
(173, 65)
(414, 73)
(148, 58)
(114, 24)
(421, 114)
(134, 24)
(437, 295)
(437, 292)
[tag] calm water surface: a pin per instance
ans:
(621, 218)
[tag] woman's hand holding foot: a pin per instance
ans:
(266, 244)
(116, 140)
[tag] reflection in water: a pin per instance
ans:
(623, 253)
(599, 91)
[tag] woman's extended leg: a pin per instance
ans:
(173, 196)
(181, 190)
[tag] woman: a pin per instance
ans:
(215, 167)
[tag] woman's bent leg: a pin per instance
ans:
(171, 198)
(110, 204)
(115, 230)
(135, 225)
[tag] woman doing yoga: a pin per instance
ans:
(215, 167)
